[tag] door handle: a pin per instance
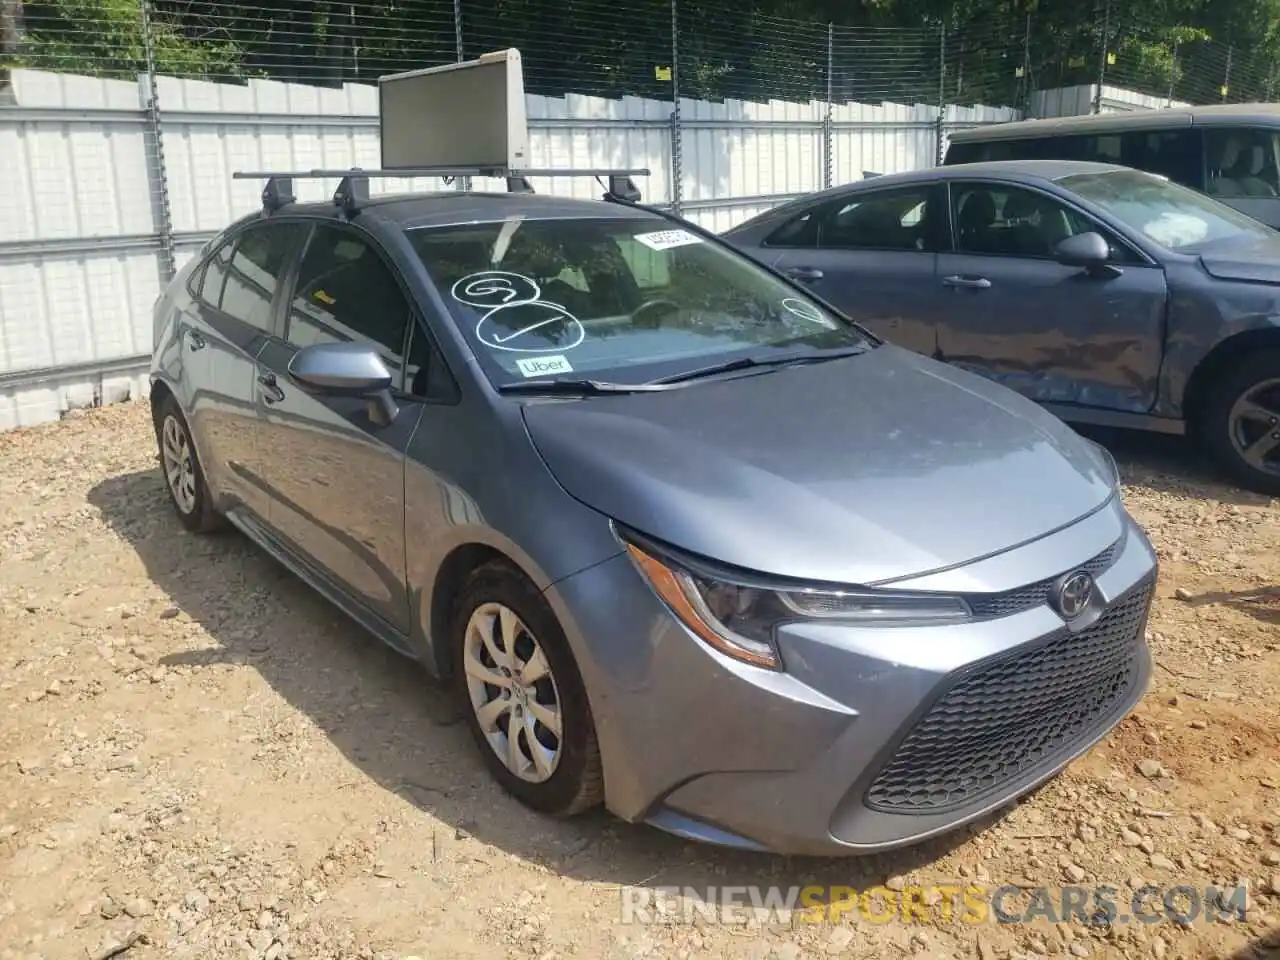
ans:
(803, 273)
(195, 341)
(271, 391)
(968, 283)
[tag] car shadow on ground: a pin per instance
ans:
(403, 731)
(1267, 947)
(1263, 603)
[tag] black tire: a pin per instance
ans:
(577, 782)
(199, 516)
(1219, 432)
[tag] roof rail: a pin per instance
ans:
(353, 186)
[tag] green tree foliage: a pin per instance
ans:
(968, 51)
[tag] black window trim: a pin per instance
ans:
(415, 322)
(994, 182)
(930, 187)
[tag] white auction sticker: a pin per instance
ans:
(666, 239)
(543, 366)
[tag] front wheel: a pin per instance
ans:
(523, 695)
(1241, 423)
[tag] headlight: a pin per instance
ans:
(739, 619)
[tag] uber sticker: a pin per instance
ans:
(666, 239)
(543, 366)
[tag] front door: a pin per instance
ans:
(873, 256)
(1055, 333)
(336, 476)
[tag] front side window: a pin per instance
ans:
(996, 219)
(346, 292)
(636, 297)
(1243, 162)
(257, 266)
(1168, 214)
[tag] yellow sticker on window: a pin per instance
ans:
(324, 298)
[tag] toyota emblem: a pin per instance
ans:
(1074, 594)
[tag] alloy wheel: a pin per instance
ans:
(1254, 426)
(513, 692)
(179, 463)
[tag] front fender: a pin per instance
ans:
(1204, 315)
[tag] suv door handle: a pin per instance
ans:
(195, 341)
(968, 283)
(271, 391)
(803, 273)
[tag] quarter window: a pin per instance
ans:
(215, 275)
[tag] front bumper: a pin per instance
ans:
(873, 738)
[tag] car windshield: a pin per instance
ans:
(1171, 215)
(624, 299)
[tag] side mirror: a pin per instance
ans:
(1087, 250)
(347, 370)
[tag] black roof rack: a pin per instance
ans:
(353, 186)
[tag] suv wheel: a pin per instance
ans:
(183, 475)
(1241, 426)
(523, 696)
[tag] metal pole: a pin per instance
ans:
(828, 158)
(1226, 78)
(161, 183)
(677, 158)
(1024, 83)
(942, 94)
(1102, 58)
(1173, 72)
(10, 27)
(462, 183)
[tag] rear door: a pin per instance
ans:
(872, 255)
(1055, 333)
(336, 477)
(233, 302)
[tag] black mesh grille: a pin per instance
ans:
(987, 606)
(1016, 714)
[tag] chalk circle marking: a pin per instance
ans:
(490, 289)
(551, 313)
(805, 311)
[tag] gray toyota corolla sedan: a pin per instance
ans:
(685, 540)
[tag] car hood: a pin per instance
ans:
(862, 470)
(1257, 262)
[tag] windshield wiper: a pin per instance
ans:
(748, 363)
(578, 386)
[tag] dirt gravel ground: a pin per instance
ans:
(200, 758)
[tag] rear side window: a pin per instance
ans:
(346, 292)
(889, 220)
(262, 252)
